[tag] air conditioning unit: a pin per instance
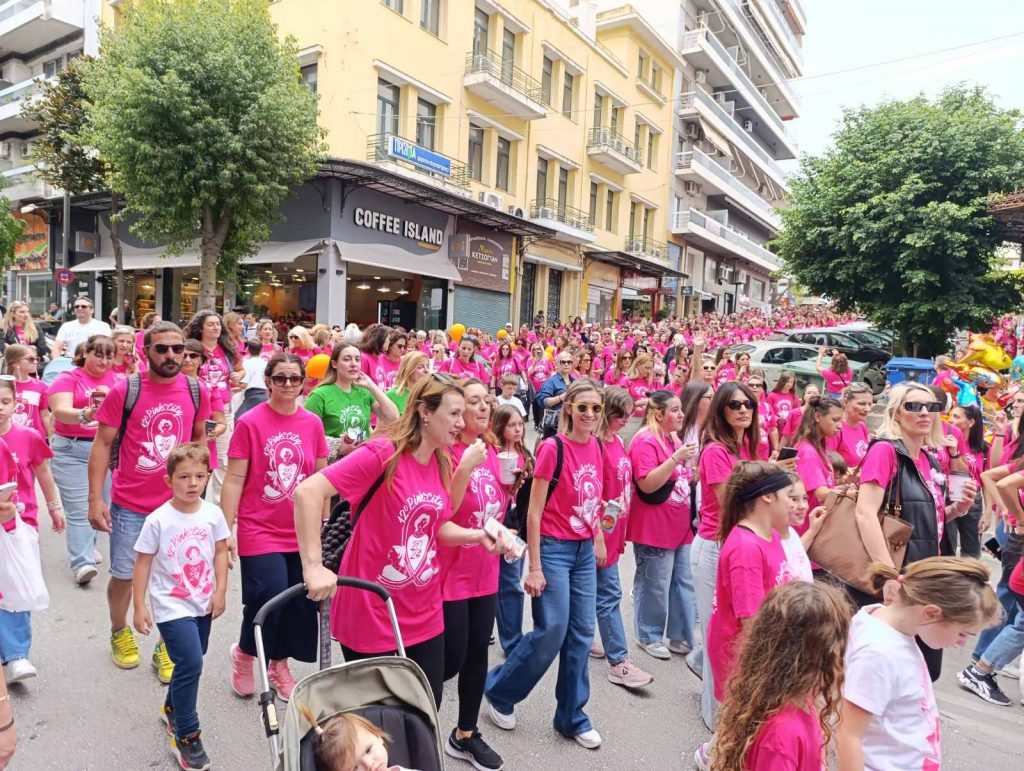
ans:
(764, 93)
(701, 76)
(720, 97)
(545, 213)
(692, 131)
(748, 126)
(28, 149)
(493, 200)
(5, 150)
(724, 274)
(691, 188)
(517, 211)
(741, 277)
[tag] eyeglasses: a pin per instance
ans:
(755, 385)
(283, 380)
(400, 346)
(565, 361)
(708, 367)
(739, 404)
(162, 348)
(32, 359)
(193, 355)
(83, 306)
(922, 406)
(582, 408)
(293, 337)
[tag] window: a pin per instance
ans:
(430, 16)
(641, 65)
(593, 203)
(614, 124)
(508, 55)
(609, 210)
(481, 22)
(504, 160)
(395, 5)
(636, 137)
(656, 77)
(710, 271)
(646, 232)
(568, 97)
(308, 76)
(547, 70)
(426, 124)
(563, 187)
(632, 219)
(598, 108)
(387, 107)
(652, 139)
(476, 152)
(52, 67)
(542, 179)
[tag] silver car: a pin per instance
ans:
(778, 356)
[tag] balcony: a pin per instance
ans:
(770, 11)
(26, 25)
(614, 151)
(11, 101)
(504, 85)
(646, 248)
(405, 157)
(22, 184)
(571, 226)
(699, 167)
(710, 234)
(700, 104)
(702, 48)
(797, 16)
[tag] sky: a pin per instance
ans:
(846, 34)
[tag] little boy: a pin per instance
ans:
(509, 384)
(182, 558)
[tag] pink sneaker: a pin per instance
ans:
(628, 675)
(241, 672)
(281, 679)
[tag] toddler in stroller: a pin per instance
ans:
(349, 741)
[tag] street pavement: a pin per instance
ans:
(84, 713)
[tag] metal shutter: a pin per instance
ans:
(480, 308)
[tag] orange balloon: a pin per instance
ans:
(316, 367)
(502, 334)
(457, 331)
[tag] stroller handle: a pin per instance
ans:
(299, 589)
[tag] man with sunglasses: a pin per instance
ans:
(552, 393)
(72, 333)
(164, 409)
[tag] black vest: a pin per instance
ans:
(918, 505)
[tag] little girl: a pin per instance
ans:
(784, 693)
(888, 715)
(794, 544)
(349, 742)
(31, 408)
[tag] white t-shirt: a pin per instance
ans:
(255, 369)
(514, 401)
(73, 333)
(182, 580)
(796, 556)
(887, 676)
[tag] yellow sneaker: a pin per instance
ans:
(123, 649)
(162, 663)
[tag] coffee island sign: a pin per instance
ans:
(405, 228)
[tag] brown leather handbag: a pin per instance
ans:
(838, 547)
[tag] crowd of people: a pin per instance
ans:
(219, 444)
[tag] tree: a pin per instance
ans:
(11, 229)
(891, 220)
(65, 161)
(199, 109)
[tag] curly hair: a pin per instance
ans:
(792, 651)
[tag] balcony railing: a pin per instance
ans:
(647, 246)
(377, 146)
(777, 75)
(553, 209)
(780, 21)
(733, 186)
(597, 137)
(20, 91)
(491, 63)
(729, 233)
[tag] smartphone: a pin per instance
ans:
(211, 426)
(991, 545)
(7, 491)
(786, 453)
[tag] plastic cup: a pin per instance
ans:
(610, 516)
(508, 463)
(957, 481)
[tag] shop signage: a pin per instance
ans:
(669, 285)
(31, 250)
(687, 291)
(639, 281)
(405, 150)
(415, 231)
(483, 257)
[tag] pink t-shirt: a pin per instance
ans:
(852, 442)
(572, 511)
(765, 422)
(815, 471)
(539, 371)
(456, 367)
(282, 450)
(30, 399)
(80, 385)
(215, 371)
(216, 406)
(507, 366)
(386, 372)
(663, 525)
(29, 450)
(793, 422)
(368, 364)
(617, 483)
(715, 465)
(9, 472)
(790, 740)
(834, 383)
(879, 466)
(612, 379)
(161, 420)
(394, 544)
(638, 388)
(470, 571)
(749, 567)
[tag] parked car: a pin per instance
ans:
(778, 356)
(875, 355)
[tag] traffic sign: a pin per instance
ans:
(65, 276)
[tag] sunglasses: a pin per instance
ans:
(582, 408)
(565, 361)
(739, 404)
(293, 337)
(922, 406)
(755, 385)
(283, 380)
(193, 355)
(82, 307)
(708, 367)
(162, 348)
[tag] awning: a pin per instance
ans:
(140, 258)
(636, 265)
(552, 263)
(436, 265)
(715, 138)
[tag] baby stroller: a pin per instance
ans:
(389, 691)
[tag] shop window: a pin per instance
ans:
(426, 124)
(430, 16)
(504, 160)
(475, 157)
(387, 107)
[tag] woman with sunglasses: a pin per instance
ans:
(75, 398)
(709, 371)
(464, 363)
(439, 353)
(768, 441)
(347, 397)
(275, 446)
(854, 435)
(538, 369)
(31, 408)
(618, 373)
(191, 360)
(553, 393)
(301, 344)
(18, 328)
(562, 575)
(900, 454)
(503, 363)
(390, 360)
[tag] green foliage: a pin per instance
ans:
(891, 220)
(11, 230)
(198, 107)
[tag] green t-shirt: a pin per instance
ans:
(341, 410)
(400, 400)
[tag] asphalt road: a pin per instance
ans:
(84, 713)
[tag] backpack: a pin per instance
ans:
(131, 398)
(559, 457)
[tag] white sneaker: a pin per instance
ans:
(679, 646)
(500, 719)
(1011, 671)
(97, 556)
(85, 574)
(656, 649)
(701, 758)
(18, 670)
(590, 739)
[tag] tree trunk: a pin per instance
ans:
(115, 242)
(214, 234)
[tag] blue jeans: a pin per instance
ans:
(663, 589)
(1009, 644)
(609, 619)
(15, 634)
(510, 604)
(186, 639)
(71, 473)
(1012, 550)
(563, 626)
(125, 526)
(704, 563)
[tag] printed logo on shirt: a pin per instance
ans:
(588, 499)
(163, 426)
(681, 490)
(285, 458)
(861, 448)
(351, 416)
(195, 579)
(22, 416)
(412, 561)
(624, 474)
(483, 484)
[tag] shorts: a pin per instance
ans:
(125, 526)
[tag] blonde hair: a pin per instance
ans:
(120, 330)
(305, 340)
(31, 334)
(891, 429)
(576, 387)
(321, 334)
(335, 748)
(407, 368)
(638, 361)
(407, 432)
(959, 586)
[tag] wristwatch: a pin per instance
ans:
(81, 416)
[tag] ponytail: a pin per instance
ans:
(959, 586)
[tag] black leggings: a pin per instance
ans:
(429, 654)
(963, 531)
(538, 413)
(468, 625)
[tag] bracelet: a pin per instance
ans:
(53, 505)
(7, 727)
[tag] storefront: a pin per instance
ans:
(551, 281)
(30, 278)
(484, 261)
(602, 285)
(644, 286)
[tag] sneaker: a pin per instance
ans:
(85, 574)
(696, 668)
(701, 758)
(242, 682)
(590, 739)
(628, 675)
(983, 685)
(97, 556)
(167, 718)
(475, 750)
(190, 753)
(162, 663)
(500, 719)
(123, 649)
(19, 670)
(596, 649)
(656, 649)
(680, 646)
(1012, 671)
(281, 679)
